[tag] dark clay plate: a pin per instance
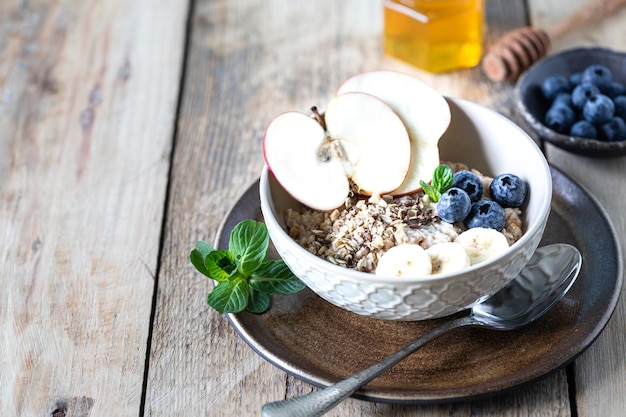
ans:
(320, 343)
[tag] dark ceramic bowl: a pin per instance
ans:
(534, 106)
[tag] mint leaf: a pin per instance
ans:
(249, 242)
(220, 264)
(443, 177)
(245, 278)
(199, 254)
(258, 302)
(229, 296)
(274, 277)
(430, 191)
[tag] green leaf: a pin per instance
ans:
(229, 296)
(199, 254)
(258, 302)
(430, 190)
(245, 277)
(249, 242)
(443, 177)
(220, 265)
(274, 277)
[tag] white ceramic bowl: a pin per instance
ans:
(478, 137)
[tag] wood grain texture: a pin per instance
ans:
(247, 62)
(601, 370)
(88, 94)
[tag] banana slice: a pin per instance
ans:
(406, 260)
(482, 243)
(448, 257)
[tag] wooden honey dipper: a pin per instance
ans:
(517, 50)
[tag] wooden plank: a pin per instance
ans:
(88, 94)
(601, 370)
(248, 61)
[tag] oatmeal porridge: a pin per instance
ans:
(357, 234)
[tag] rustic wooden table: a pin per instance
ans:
(128, 129)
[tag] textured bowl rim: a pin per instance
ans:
(545, 198)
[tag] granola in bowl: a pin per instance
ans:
(357, 234)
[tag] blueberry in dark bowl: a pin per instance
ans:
(616, 89)
(620, 106)
(598, 109)
(575, 78)
(563, 98)
(581, 93)
(598, 75)
(613, 130)
(584, 129)
(595, 76)
(560, 118)
(554, 85)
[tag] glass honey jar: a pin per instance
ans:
(434, 35)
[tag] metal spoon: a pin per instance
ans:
(548, 275)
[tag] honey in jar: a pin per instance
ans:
(434, 35)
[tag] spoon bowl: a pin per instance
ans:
(542, 283)
(547, 277)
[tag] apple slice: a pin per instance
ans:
(374, 139)
(291, 148)
(424, 112)
(359, 138)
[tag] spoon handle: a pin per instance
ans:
(319, 402)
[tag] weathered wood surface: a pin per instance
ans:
(104, 192)
(88, 96)
(601, 370)
(247, 62)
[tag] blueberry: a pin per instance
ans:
(598, 109)
(613, 130)
(598, 75)
(584, 129)
(620, 106)
(508, 190)
(581, 94)
(616, 89)
(575, 78)
(470, 183)
(560, 118)
(563, 98)
(486, 213)
(454, 205)
(553, 85)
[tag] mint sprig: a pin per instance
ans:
(443, 177)
(245, 277)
